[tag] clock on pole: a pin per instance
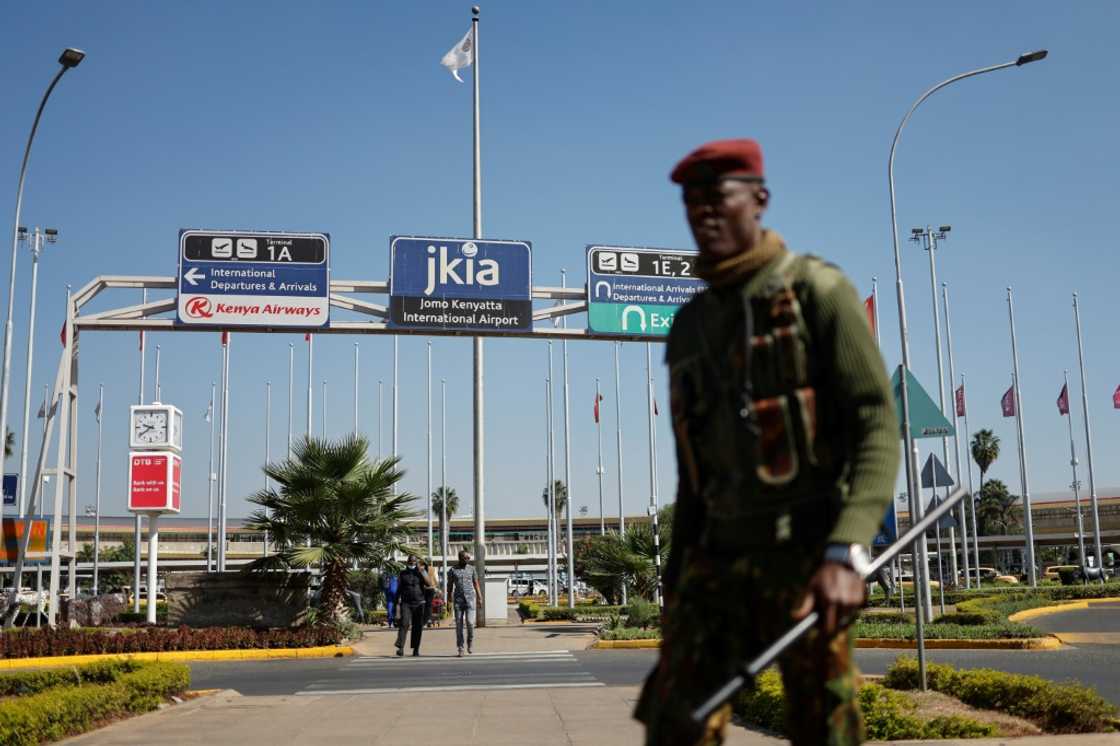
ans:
(155, 467)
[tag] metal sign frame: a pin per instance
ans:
(146, 317)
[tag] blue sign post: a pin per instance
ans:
(257, 279)
(10, 484)
(636, 291)
(460, 284)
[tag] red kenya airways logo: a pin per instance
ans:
(199, 308)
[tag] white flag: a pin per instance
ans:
(460, 56)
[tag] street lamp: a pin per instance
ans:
(908, 441)
(69, 58)
(50, 235)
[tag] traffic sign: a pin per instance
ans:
(926, 419)
(10, 482)
(888, 529)
(934, 474)
(946, 521)
(460, 284)
(636, 291)
(258, 279)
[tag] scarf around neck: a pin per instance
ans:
(741, 266)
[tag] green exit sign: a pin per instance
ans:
(629, 318)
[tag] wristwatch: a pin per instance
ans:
(853, 556)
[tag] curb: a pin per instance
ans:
(1030, 643)
(324, 651)
(1020, 616)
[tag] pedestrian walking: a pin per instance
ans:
(389, 585)
(464, 591)
(430, 591)
(411, 605)
(787, 446)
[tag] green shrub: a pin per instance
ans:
(642, 614)
(32, 682)
(629, 633)
(557, 613)
(967, 618)
(887, 715)
(527, 610)
(1055, 708)
(60, 711)
(1001, 631)
(888, 617)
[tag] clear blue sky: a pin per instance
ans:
(338, 117)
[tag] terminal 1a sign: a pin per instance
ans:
(635, 291)
(460, 284)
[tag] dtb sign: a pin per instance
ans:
(460, 284)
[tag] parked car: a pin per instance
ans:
(518, 587)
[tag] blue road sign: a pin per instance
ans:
(888, 529)
(460, 284)
(10, 483)
(258, 279)
(636, 291)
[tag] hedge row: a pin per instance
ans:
(65, 710)
(1056, 708)
(938, 631)
(32, 682)
(887, 715)
(31, 643)
(581, 613)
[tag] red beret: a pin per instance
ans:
(741, 157)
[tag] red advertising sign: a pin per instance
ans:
(12, 530)
(153, 481)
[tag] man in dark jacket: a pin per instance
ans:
(411, 605)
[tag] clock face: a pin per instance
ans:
(150, 427)
(177, 430)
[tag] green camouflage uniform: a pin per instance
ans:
(773, 466)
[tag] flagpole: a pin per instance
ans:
(310, 378)
(355, 388)
(479, 401)
(291, 384)
(552, 564)
(875, 304)
(267, 444)
(599, 471)
(1088, 441)
(156, 387)
(380, 428)
(1075, 484)
(1028, 521)
(444, 528)
(223, 475)
(21, 490)
(396, 400)
(210, 485)
(430, 527)
(97, 491)
(652, 474)
(968, 462)
(570, 548)
(962, 509)
(324, 409)
(896, 565)
(618, 445)
(136, 526)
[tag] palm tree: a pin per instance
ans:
(985, 450)
(438, 498)
(332, 507)
(605, 562)
(560, 496)
(996, 510)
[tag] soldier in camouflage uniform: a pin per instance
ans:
(787, 450)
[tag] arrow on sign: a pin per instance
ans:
(193, 276)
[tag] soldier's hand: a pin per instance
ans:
(838, 592)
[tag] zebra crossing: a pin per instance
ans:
(554, 669)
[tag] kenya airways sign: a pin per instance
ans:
(259, 279)
(460, 284)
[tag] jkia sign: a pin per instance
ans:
(460, 284)
(258, 279)
(153, 481)
(636, 291)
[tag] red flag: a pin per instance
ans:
(62, 334)
(960, 401)
(1008, 402)
(225, 338)
(598, 398)
(656, 411)
(1116, 398)
(1063, 400)
(869, 306)
(307, 337)
(141, 341)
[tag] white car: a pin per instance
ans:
(518, 587)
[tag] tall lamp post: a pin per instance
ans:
(69, 58)
(908, 441)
